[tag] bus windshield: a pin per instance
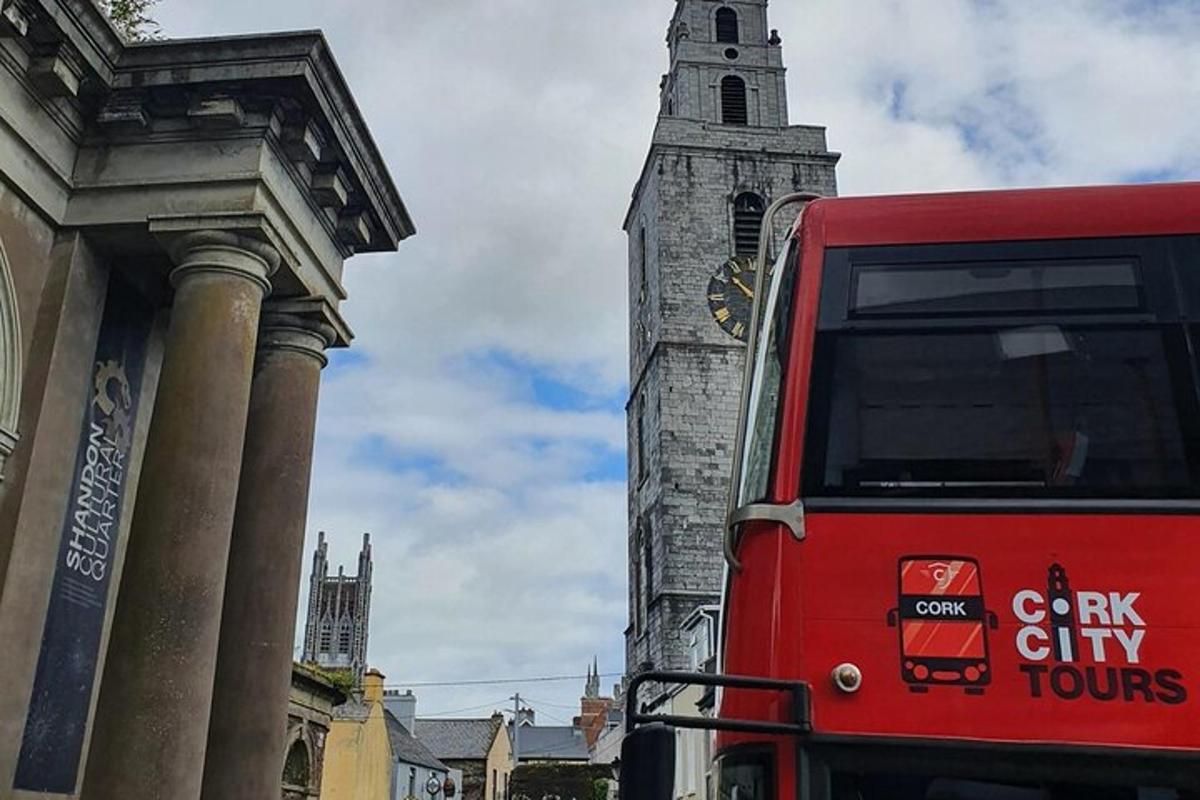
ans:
(1036, 377)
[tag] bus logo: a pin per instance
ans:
(942, 624)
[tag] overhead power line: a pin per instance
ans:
(497, 681)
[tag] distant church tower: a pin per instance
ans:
(339, 609)
(722, 152)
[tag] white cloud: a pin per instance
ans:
(515, 130)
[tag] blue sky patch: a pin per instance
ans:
(344, 360)
(376, 451)
(610, 466)
(1156, 175)
(544, 386)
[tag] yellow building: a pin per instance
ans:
(371, 755)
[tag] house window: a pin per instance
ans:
(727, 26)
(748, 210)
(699, 645)
(412, 781)
(495, 785)
(733, 101)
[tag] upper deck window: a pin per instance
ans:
(1030, 377)
(1005, 287)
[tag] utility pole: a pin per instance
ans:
(516, 743)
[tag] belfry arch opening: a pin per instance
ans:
(728, 31)
(733, 101)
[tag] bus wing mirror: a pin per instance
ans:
(648, 763)
(893, 617)
(993, 620)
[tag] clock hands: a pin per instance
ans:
(745, 289)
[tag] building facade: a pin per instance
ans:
(480, 749)
(311, 705)
(175, 219)
(373, 755)
(722, 151)
(339, 612)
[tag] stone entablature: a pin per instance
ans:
(262, 127)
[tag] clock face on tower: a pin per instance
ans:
(731, 296)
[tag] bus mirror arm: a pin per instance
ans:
(993, 621)
(893, 617)
(791, 515)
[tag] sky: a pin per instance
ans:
(476, 427)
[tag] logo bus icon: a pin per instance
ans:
(942, 624)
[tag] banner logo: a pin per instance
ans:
(1079, 644)
(943, 624)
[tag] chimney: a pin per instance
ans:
(403, 708)
(373, 686)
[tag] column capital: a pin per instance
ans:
(296, 334)
(223, 252)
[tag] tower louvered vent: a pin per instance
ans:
(733, 101)
(748, 212)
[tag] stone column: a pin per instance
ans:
(248, 731)
(152, 719)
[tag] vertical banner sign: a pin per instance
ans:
(66, 670)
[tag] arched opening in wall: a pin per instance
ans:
(345, 634)
(10, 362)
(748, 210)
(733, 101)
(297, 768)
(727, 26)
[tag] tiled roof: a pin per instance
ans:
(406, 748)
(553, 743)
(458, 738)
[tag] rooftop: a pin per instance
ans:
(407, 748)
(458, 738)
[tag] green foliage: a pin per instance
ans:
(600, 788)
(340, 678)
(132, 18)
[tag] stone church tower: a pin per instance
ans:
(722, 152)
(339, 612)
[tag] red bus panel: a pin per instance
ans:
(1059, 628)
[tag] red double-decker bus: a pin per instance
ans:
(965, 521)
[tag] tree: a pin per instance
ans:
(132, 18)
